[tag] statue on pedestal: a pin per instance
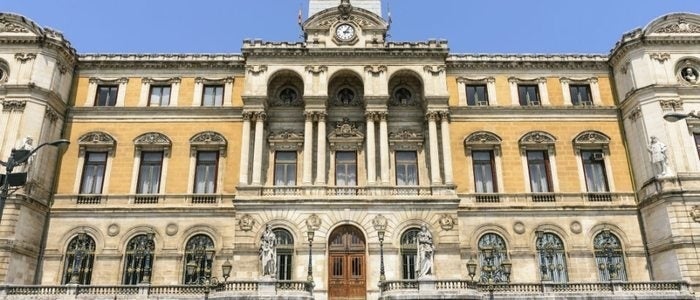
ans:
(659, 157)
(268, 252)
(425, 252)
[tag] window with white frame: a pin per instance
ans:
(581, 92)
(483, 153)
(406, 168)
(159, 95)
(205, 172)
(592, 148)
(476, 91)
(96, 150)
(159, 92)
(539, 164)
(207, 157)
(106, 91)
(285, 168)
(528, 92)
(212, 92)
(150, 172)
(150, 165)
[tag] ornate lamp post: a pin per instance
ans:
(379, 223)
(312, 224)
(19, 157)
(471, 268)
(226, 269)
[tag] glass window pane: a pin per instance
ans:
(285, 168)
(484, 174)
(580, 94)
(345, 168)
(93, 172)
(106, 95)
(205, 172)
(477, 95)
(538, 168)
(406, 168)
(150, 173)
(594, 171)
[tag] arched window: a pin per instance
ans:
(409, 252)
(551, 257)
(492, 253)
(608, 257)
(285, 249)
(80, 257)
(138, 259)
(199, 256)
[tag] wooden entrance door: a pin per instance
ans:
(346, 264)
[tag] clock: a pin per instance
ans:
(345, 32)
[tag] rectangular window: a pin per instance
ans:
(477, 95)
(345, 168)
(594, 171)
(205, 172)
(581, 94)
(106, 95)
(406, 168)
(213, 95)
(149, 173)
(93, 173)
(538, 167)
(484, 171)
(160, 95)
(285, 168)
(529, 95)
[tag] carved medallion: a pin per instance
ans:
(447, 222)
(246, 222)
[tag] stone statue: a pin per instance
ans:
(425, 252)
(659, 158)
(268, 252)
(27, 144)
(689, 75)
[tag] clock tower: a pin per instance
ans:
(345, 23)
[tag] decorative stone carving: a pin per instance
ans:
(14, 105)
(113, 229)
(575, 227)
(246, 222)
(689, 74)
(256, 69)
(482, 138)
(96, 138)
(346, 96)
(671, 105)
(316, 69)
(660, 57)
(681, 27)
(635, 114)
(287, 96)
(447, 222)
(519, 227)
(268, 252)
(379, 221)
(434, 70)
(51, 115)
(25, 57)
(171, 229)
(346, 136)
(345, 8)
(426, 250)
(406, 139)
(375, 69)
(695, 213)
(591, 138)
(152, 139)
(403, 96)
(208, 138)
(313, 222)
(6, 26)
(287, 139)
(537, 138)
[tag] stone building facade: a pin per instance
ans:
(178, 163)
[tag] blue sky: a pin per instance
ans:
(470, 26)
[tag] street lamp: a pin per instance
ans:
(313, 222)
(379, 223)
(471, 267)
(226, 269)
(675, 116)
(18, 157)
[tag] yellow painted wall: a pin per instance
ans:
(133, 92)
(179, 161)
(238, 85)
(513, 174)
(81, 91)
(186, 94)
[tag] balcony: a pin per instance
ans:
(547, 199)
(140, 200)
(462, 289)
(228, 290)
(303, 192)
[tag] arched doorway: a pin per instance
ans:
(346, 264)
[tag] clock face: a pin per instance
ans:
(345, 32)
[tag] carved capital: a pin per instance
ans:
(260, 116)
(14, 105)
(660, 57)
(51, 115)
(635, 114)
(316, 69)
(434, 69)
(375, 69)
(444, 115)
(671, 105)
(432, 116)
(256, 69)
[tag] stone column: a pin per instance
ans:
(308, 148)
(258, 147)
(371, 161)
(446, 148)
(321, 151)
(434, 156)
(245, 150)
(384, 147)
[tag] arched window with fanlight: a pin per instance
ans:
(199, 256)
(80, 257)
(285, 251)
(551, 257)
(492, 257)
(138, 259)
(408, 253)
(608, 257)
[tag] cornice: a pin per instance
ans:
(154, 114)
(636, 41)
(391, 49)
(24, 31)
(160, 61)
(596, 62)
